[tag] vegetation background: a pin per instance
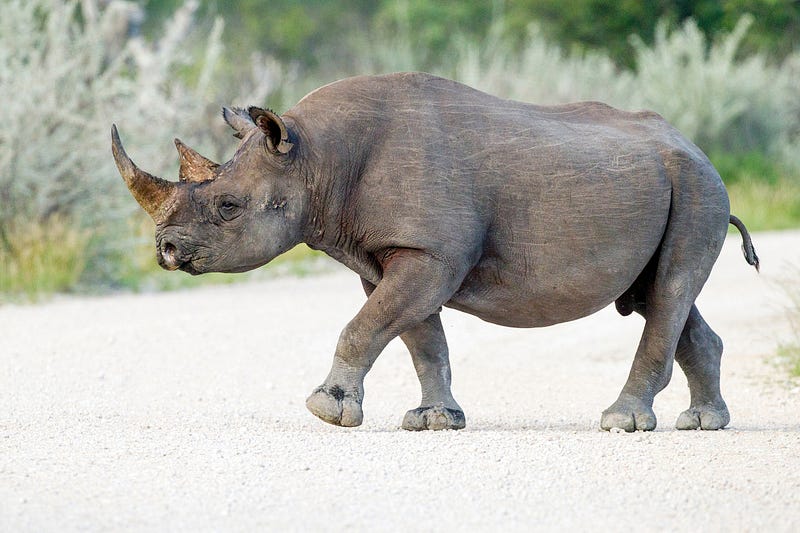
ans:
(726, 73)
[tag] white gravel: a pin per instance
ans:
(185, 412)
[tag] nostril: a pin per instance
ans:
(169, 249)
(169, 253)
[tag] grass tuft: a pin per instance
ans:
(39, 258)
(789, 355)
(766, 206)
(789, 351)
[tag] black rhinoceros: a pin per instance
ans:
(438, 194)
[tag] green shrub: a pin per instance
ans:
(69, 69)
(752, 166)
(725, 102)
(720, 100)
(65, 75)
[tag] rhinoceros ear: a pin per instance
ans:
(273, 127)
(238, 119)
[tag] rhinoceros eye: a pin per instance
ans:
(229, 207)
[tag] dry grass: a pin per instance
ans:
(789, 355)
(40, 258)
(766, 206)
(789, 351)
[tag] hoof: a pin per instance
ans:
(335, 406)
(436, 417)
(704, 417)
(629, 415)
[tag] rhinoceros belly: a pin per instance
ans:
(550, 266)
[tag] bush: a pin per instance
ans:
(538, 72)
(67, 71)
(725, 103)
(68, 75)
(722, 101)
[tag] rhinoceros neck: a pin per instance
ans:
(333, 161)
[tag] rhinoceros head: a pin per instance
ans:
(228, 217)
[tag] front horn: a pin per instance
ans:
(151, 192)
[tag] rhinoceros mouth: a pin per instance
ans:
(189, 268)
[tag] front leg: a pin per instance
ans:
(414, 286)
(428, 347)
(438, 409)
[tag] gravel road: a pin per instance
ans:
(185, 411)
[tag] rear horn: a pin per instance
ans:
(194, 167)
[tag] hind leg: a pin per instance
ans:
(652, 366)
(664, 296)
(692, 241)
(699, 353)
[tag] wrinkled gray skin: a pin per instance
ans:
(437, 194)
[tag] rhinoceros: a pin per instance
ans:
(437, 194)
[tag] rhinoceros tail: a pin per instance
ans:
(747, 244)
